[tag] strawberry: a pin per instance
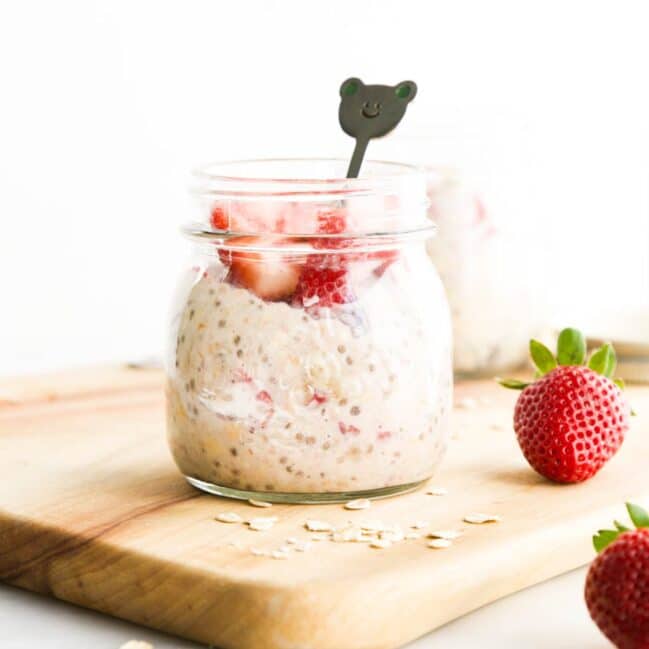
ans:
(573, 418)
(617, 587)
(325, 287)
(267, 274)
(219, 219)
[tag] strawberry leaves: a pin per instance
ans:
(543, 358)
(604, 538)
(639, 516)
(571, 350)
(571, 347)
(603, 360)
(513, 384)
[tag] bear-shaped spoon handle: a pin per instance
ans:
(367, 112)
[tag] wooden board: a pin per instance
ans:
(93, 511)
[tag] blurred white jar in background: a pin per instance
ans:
(489, 247)
(484, 273)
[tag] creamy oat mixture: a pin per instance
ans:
(265, 396)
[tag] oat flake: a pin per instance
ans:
(440, 544)
(229, 517)
(278, 554)
(381, 544)
(479, 519)
(259, 503)
(437, 491)
(262, 523)
(447, 535)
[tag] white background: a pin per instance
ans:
(108, 105)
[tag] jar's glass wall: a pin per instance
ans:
(341, 384)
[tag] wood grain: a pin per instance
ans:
(93, 511)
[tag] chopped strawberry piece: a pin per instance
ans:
(348, 428)
(322, 286)
(219, 218)
(264, 397)
(332, 222)
(318, 398)
(267, 274)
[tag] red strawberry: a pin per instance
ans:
(219, 219)
(267, 274)
(573, 418)
(617, 585)
(323, 287)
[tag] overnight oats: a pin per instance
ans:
(310, 352)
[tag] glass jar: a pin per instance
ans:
(310, 349)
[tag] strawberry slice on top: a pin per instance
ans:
(269, 275)
(324, 280)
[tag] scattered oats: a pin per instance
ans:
(361, 503)
(479, 519)
(229, 517)
(381, 544)
(440, 544)
(302, 546)
(258, 552)
(372, 526)
(321, 537)
(393, 535)
(278, 554)
(447, 535)
(284, 548)
(259, 503)
(262, 523)
(419, 525)
(318, 526)
(291, 540)
(136, 644)
(467, 403)
(412, 536)
(437, 491)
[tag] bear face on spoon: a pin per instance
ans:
(369, 111)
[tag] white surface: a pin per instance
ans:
(548, 616)
(107, 105)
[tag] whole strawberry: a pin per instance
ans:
(572, 419)
(617, 585)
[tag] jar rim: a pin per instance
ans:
(381, 171)
(387, 199)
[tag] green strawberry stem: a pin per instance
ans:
(639, 517)
(571, 350)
